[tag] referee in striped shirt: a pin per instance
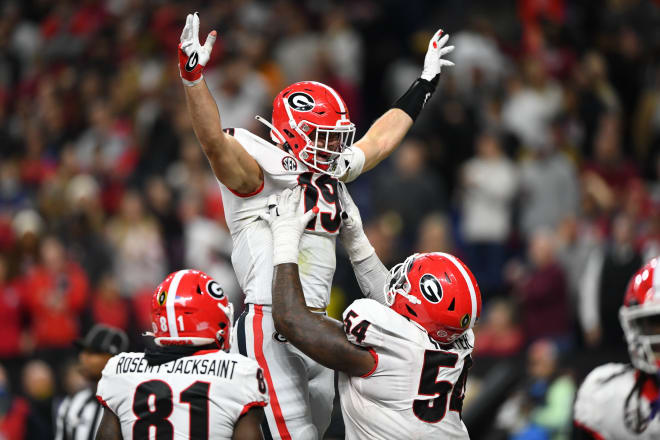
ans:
(79, 416)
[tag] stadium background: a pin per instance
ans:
(536, 162)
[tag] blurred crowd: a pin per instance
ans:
(536, 162)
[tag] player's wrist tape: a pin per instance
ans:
(285, 250)
(188, 83)
(412, 102)
(359, 249)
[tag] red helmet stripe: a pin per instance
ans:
(336, 96)
(470, 285)
(169, 304)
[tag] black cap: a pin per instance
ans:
(104, 339)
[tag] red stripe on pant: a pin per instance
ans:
(259, 354)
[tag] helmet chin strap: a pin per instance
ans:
(274, 130)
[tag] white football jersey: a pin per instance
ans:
(417, 387)
(607, 406)
(252, 253)
(200, 396)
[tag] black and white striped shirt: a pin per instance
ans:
(79, 416)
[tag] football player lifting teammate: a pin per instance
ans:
(185, 385)
(404, 354)
(622, 401)
(311, 145)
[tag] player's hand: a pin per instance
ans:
(351, 234)
(433, 61)
(193, 56)
(287, 219)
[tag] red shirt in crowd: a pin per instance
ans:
(11, 304)
(54, 301)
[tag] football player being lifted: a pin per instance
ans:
(622, 401)
(403, 353)
(186, 385)
(312, 146)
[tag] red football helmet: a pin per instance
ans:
(311, 120)
(640, 317)
(438, 292)
(190, 308)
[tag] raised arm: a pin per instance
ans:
(370, 272)
(389, 130)
(316, 335)
(231, 164)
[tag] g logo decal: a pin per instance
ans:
(301, 102)
(430, 288)
(214, 289)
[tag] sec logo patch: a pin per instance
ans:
(289, 164)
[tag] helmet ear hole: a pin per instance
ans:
(410, 310)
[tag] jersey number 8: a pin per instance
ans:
(154, 411)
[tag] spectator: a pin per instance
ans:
(161, 203)
(489, 183)
(12, 305)
(549, 190)
(410, 189)
(18, 420)
(240, 91)
(107, 146)
(138, 246)
(55, 293)
(542, 293)
(435, 234)
(609, 164)
(532, 105)
(606, 275)
(39, 389)
(108, 306)
(576, 239)
(81, 228)
(499, 335)
(541, 407)
(208, 246)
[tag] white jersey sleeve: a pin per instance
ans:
(416, 388)
(200, 396)
(628, 411)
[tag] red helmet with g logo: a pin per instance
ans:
(312, 120)
(640, 317)
(190, 308)
(438, 292)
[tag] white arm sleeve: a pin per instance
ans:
(371, 275)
